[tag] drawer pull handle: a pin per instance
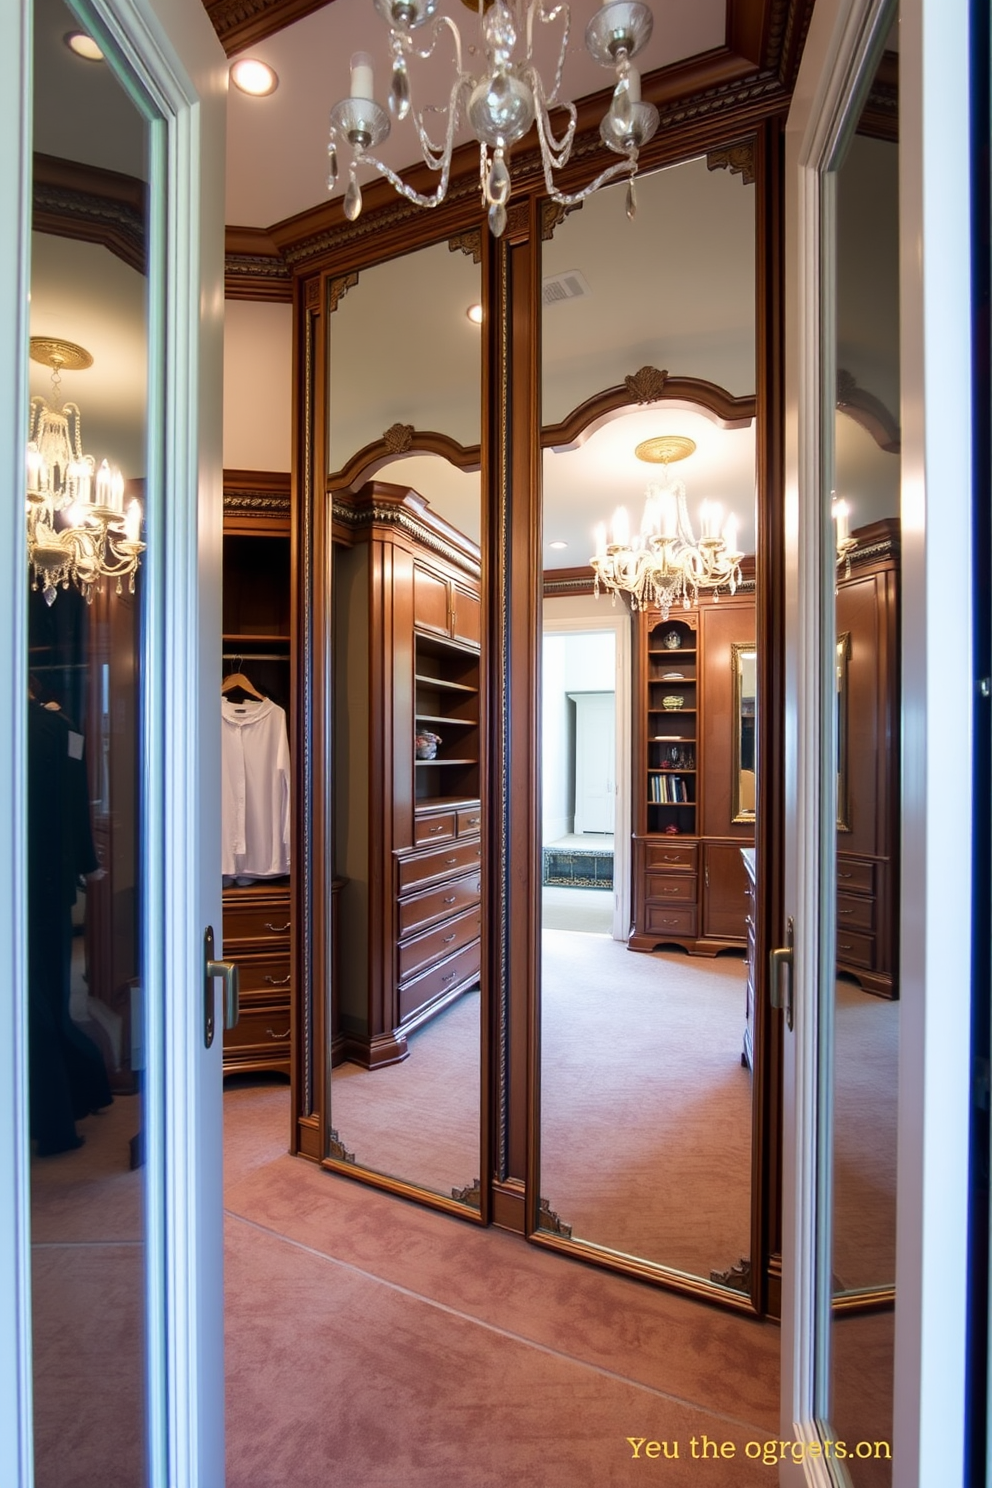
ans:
(276, 981)
(473, 821)
(843, 947)
(438, 828)
(842, 874)
(450, 977)
(670, 858)
(450, 860)
(448, 938)
(842, 912)
(450, 899)
(272, 1034)
(278, 929)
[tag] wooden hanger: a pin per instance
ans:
(235, 680)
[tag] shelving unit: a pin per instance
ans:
(671, 732)
(446, 681)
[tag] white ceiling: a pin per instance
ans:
(277, 146)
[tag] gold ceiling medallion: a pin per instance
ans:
(665, 449)
(78, 529)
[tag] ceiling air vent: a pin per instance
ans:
(569, 285)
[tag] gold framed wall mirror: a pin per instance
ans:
(744, 674)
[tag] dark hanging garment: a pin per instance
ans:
(68, 1078)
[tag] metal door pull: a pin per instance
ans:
(228, 972)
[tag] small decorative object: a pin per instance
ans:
(671, 830)
(672, 640)
(426, 745)
(672, 703)
(672, 677)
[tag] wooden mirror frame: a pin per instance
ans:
(738, 812)
(510, 457)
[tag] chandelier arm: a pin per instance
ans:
(573, 198)
(416, 197)
(435, 156)
(547, 17)
(556, 151)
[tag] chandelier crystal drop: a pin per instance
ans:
(79, 529)
(663, 565)
(500, 103)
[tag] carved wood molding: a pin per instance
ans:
(868, 411)
(553, 214)
(558, 583)
(403, 439)
(338, 288)
(548, 1219)
(241, 23)
(260, 494)
(90, 205)
(647, 386)
(876, 541)
(402, 509)
(471, 1194)
(738, 1277)
(738, 159)
(257, 276)
(337, 1149)
(469, 243)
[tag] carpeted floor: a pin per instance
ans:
(587, 911)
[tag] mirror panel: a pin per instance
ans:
(643, 822)
(84, 808)
(408, 720)
(865, 1014)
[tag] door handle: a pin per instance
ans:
(780, 972)
(228, 971)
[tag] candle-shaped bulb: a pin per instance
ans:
(117, 490)
(103, 484)
(649, 521)
(600, 535)
(34, 468)
(132, 521)
(710, 516)
(621, 527)
(361, 76)
(842, 516)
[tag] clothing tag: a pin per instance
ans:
(75, 745)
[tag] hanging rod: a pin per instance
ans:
(254, 656)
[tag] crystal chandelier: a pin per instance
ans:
(663, 564)
(78, 528)
(500, 102)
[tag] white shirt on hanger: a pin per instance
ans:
(255, 820)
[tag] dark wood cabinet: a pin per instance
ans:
(868, 786)
(688, 878)
(407, 788)
(257, 921)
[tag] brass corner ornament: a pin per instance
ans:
(398, 438)
(338, 288)
(337, 1149)
(548, 1220)
(471, 1194)
(738, 159)
(553, 214)
(647, 385)
(469, 243)
(737, 1278)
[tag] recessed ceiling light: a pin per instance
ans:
(558, 545)
(254, 77)
(83, 46)
(474, 313)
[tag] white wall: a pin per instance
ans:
(572, 663)
(258, 380)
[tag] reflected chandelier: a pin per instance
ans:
(664, 565)
(500, 102)
(78, 528)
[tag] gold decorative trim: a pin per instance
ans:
(737, 1278)
(553, 214)
(394, 211)
(738, 159)
(646, 385)
(376, 512)
(471, 1194)
(338, 288)
(398, 438)
(90, 205)
(312, 294)
(500, 898)
(256, 276)
(548, 1220)
(517, 220)
(257, 503)
(665, 449)
(469, 243)
(336, 1148)
(62, 355)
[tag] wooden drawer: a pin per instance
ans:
(854, 914)
(854, 949)
(445, 862)
(258, 919)
(417, 913)
(456, 971)
(449, 936)
(855, 878)
(469, 821)
(678, 887)
(669, 858)
(662, 919)
(260, 1028)
(427, 829)
(265, 974)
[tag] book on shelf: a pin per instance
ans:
(668, 790)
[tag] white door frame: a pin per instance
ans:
(937, 700)
(179, 77)
(619, 624)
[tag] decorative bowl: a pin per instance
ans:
(672, 703)
(426, 745)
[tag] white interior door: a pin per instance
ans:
(928, 1419)
(595, 761)
(165, 54)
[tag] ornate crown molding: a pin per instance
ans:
(646, 386)
(256, 276)
(90, 205)
(868, 411)
(240, 23)
(257, 493)
(403, 439)
(405, 510)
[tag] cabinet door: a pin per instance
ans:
(466, 617)
(430, 601)
(724, 892)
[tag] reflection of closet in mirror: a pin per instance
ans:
(865, 1024)
(658, 341)
(85, 789)
(408, 722)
